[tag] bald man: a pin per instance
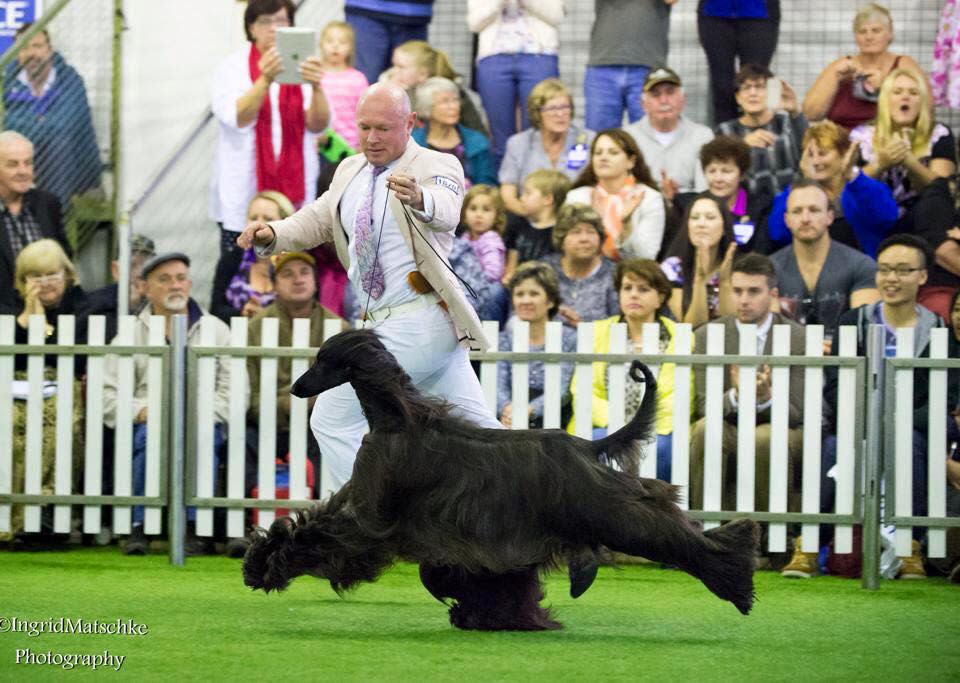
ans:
(391, 213)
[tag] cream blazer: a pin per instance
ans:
(438, 174)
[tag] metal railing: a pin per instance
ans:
(179, 457)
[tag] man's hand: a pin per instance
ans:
(141, 416)
(257, 234)
(407, 190)
(764, 392)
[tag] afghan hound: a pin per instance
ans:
(485, 511)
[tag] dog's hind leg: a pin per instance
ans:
(651, 525)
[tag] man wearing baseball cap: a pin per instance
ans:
(104, 302)
(670, 142)
(166, 284)
(295, 286)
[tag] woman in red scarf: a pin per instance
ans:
(267, 131)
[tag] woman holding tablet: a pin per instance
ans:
(267, 131)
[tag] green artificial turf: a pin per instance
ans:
(635, 623)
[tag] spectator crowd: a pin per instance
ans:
(837, 206)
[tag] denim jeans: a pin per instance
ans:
(140, 466)
(611, 89)
(376, 41)
(504, 82)
(828, 485)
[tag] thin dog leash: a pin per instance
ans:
(412, 224)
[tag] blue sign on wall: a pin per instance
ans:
(13, 15)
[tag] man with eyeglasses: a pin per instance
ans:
(27, 214)
(166, 288)
(902, 262)
(820, 278)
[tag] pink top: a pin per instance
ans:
(343, 90)
(491, 252)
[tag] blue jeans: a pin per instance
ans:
(828, 486)
(611, 89)
(140, 466)
(505, 81)
(376, 41)
(664, 452)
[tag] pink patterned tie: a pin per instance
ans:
(371, 272)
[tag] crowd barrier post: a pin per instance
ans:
(177, 381)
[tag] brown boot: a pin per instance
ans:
(802, 565)
(912, 567)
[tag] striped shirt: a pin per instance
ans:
(772, 168)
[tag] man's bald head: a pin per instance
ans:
(384, 121)
(386, 95)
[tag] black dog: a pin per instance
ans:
(483, 510)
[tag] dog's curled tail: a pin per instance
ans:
(727, 569)
(623, 446)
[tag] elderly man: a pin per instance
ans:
(46, 100)
(26, 213)
(669, 141)
(105, 301)
(166, 291)
(391, 214)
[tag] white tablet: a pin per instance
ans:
(294, 45)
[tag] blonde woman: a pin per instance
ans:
(47, 284)
(904, 147)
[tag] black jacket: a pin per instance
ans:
(45, 209)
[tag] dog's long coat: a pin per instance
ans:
(483, 510)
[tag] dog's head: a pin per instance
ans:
(338, 360)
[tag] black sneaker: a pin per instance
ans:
(136, 543)
(237, 547)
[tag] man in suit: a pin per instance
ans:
(754, 287)
(391, 214)
(26, 213)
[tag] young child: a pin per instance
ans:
(530, 237)
(342, 84)
(484, 217)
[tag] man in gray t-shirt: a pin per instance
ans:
(819, 279)
(628, 39)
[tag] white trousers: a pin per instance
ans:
(425, 344)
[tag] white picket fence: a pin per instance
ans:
(200, 387)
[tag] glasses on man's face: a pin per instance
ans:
(46, 278)
(556, 109)
(267, 21)
(899, 271)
